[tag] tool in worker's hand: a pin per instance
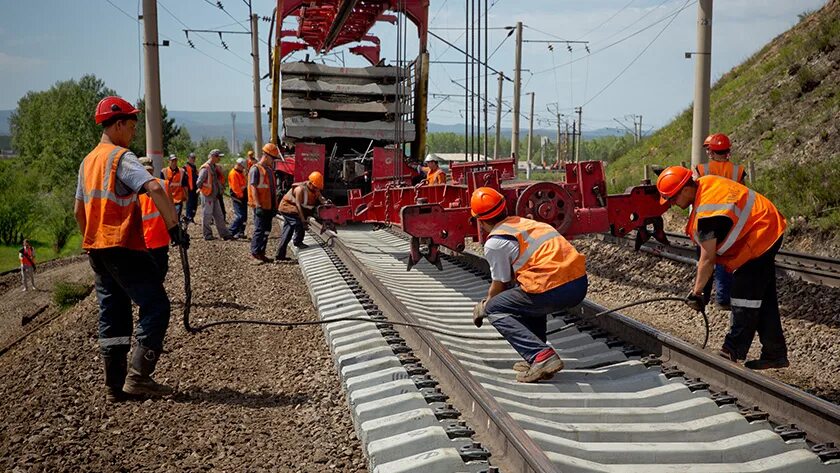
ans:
(696, 302)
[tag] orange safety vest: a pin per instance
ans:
(155, 233)
(110, 220)
(725, 169)
(208, 185)
(190, 177)
(310, 199)
(756, 223)
(546, 259)
(173, 179)
(236, 181)
(435, 178)
(261, 193)
(27, 257)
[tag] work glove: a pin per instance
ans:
(478, 313)
(179, 237)
(696, 302)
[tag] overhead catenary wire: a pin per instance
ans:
(199, 34)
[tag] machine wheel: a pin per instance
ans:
(547, 202)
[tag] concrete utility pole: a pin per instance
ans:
(255, 55)
(530, 137)
(702, 79)
(154, 117)
(517, 86)
(574, 142)
(498, 140)
(233, 133)
(557, 145)
(579, 111)
(640, 129)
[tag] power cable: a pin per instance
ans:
(221, 7)
(637, 20)
(584, 35)
(167, 10)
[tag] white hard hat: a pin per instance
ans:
(430, 157)
(240, 162)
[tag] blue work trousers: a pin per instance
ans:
(240, 212)
(123, 276)
(292, 226)
(520, 317)
(262, 228)
(192, 205)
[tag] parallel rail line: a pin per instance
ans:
(611, 409)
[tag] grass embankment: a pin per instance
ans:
(43, 252)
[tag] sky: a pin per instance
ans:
(636, 64)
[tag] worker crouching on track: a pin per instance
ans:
(262, 197)
(109, 217)
(155, 233)
(550, 273)
(742, 230)
(296, 207)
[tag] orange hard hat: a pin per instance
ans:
(719, 142)
(671, 181)
(250, 152)
(272, 150)
(486, 203)
(114, 106)
(707, 141)
(317, 179)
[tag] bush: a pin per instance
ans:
(68, 294)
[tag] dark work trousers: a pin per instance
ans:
(161, 257)
(240, 212)
(123, 276)
(520, 317)
(262, 228)
(222, 203)
(192, 205)
(292, 226)
(179, 207)
(755, 308)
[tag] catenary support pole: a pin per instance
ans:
(255, 55)
(579, 111)
(517, 91)
(154, 118)
(557, 145)
(498, 139)
(530, 138)
(702, 79)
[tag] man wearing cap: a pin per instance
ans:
(211, 184)
(239, 197)
(176, 182)
(434, 174)
(262, 197)
(191, 172)
(742, 230)
(110, 220)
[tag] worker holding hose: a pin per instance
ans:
(742, 230)
(551, 277)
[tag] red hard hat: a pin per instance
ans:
(719, 142)
(113, 106)
(317, 179)
(707, 141)
(486, 203)
(671, 181)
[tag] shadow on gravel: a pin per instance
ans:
(230, 397)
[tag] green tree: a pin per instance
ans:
(247, 146)
(56, 216)
(18, 207)
(172, 133)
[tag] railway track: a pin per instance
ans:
(614, 408)
(811, 268)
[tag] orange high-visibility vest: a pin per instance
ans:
(546, 259)
(173, 179)
(310, 199)
(756, 223)
(236, 181)
(208, 185)
(435, 178)
(260, 195)
(725, 169)
(190, 177)
(155, 233)
(110, 220)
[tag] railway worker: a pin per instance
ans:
(26, 255)
(239, 197)
(250, 162)
(434, 174)
(192, 188)
(109, 218)
(296, 207)
(550, 273)
(262, 197)
(742, 230)
(176, 181)
(155, 233)
(211, 183)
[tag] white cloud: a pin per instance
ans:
(17, 64)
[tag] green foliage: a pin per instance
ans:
(5, 142)
(17, 207)
(57, 219)
(175, 138)
(68, 294)
(247, 146)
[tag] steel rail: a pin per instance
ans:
(505, 437)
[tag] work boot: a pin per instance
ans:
(116, 368)
(301, 245)
(728, 354)
(139, 381)
(521, 366)
(541, 369)
(763, 364)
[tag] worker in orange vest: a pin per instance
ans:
(239, 197)
(109, 218)
(192, 188)
(296, 206)
(550, 276)
(742, 230)
(155, 233)
(26, 255)
(262, 197)
(434, 174)
(211, 182)
(177, 184)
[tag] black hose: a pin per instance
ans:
(185, 265)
